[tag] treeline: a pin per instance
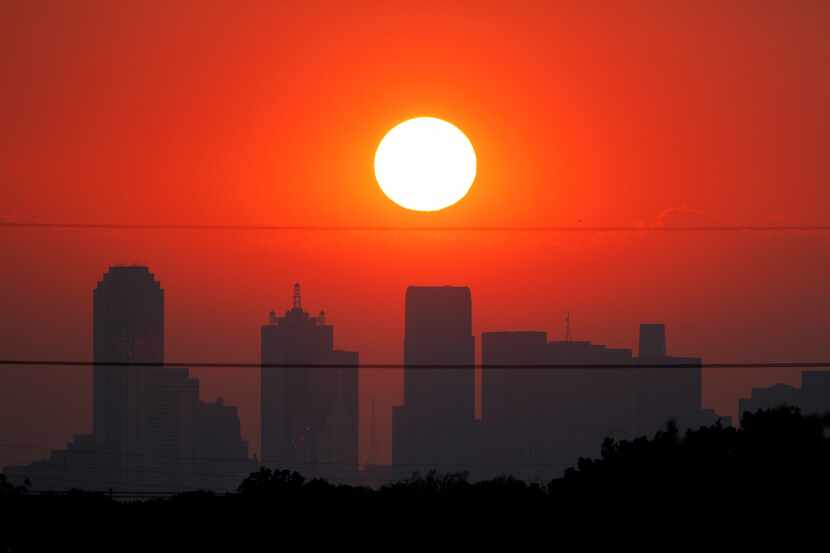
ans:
(773, 450)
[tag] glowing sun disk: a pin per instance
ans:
(425, 164)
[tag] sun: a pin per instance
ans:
(425, 164)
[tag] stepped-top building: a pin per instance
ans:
(539, 419)
(309, 396)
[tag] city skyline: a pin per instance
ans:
(147, 344)
(129, 336)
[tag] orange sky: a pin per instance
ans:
(592, 113)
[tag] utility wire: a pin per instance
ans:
(399, 228)
(422, 366)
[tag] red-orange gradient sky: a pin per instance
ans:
(595, 113)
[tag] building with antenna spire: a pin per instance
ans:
(309, 396)
(568, 326)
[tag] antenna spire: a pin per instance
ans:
(372, 440)
(568, 326)
(298, 304)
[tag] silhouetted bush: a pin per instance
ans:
(778, 451)
(266, 482)
(7, 489)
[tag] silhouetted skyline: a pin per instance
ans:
(151, 430)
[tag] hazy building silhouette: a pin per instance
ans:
(127, 327)
(652, 340)
(77, 466)
(774, 396)
(220, 460)
(670, 390)
(815, 392)
(813, 397)
(309, 414)
(149, 428)
(538, 421)
(435, 425)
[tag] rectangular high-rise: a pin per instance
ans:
(652, 340)
(668, 387)
(127, 327)
(539, 420)
(435, 424)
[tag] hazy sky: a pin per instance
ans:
(582, 113)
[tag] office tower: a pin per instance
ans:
(511, 399)
(340, 437)
(128, 327)
(149, 428)
(435, 425)
(538, 421)
(652, 340)
(671, 390)
(167, 450)
(220, 460)
(309, 414)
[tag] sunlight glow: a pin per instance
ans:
(425, 164)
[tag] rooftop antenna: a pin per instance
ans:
(372, 446)
(568, 326)
(298, 304)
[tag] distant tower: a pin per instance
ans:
(652, 340)
(665, 392)
(297, 303)
(435, 424)
(127, 327)
(372, 460)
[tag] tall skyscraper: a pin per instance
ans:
(150, 430)
(435, 425)
(127, 327)
(309, 414)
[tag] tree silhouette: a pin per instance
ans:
(266, 482)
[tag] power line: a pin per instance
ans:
(421, 366)
(398, 228)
